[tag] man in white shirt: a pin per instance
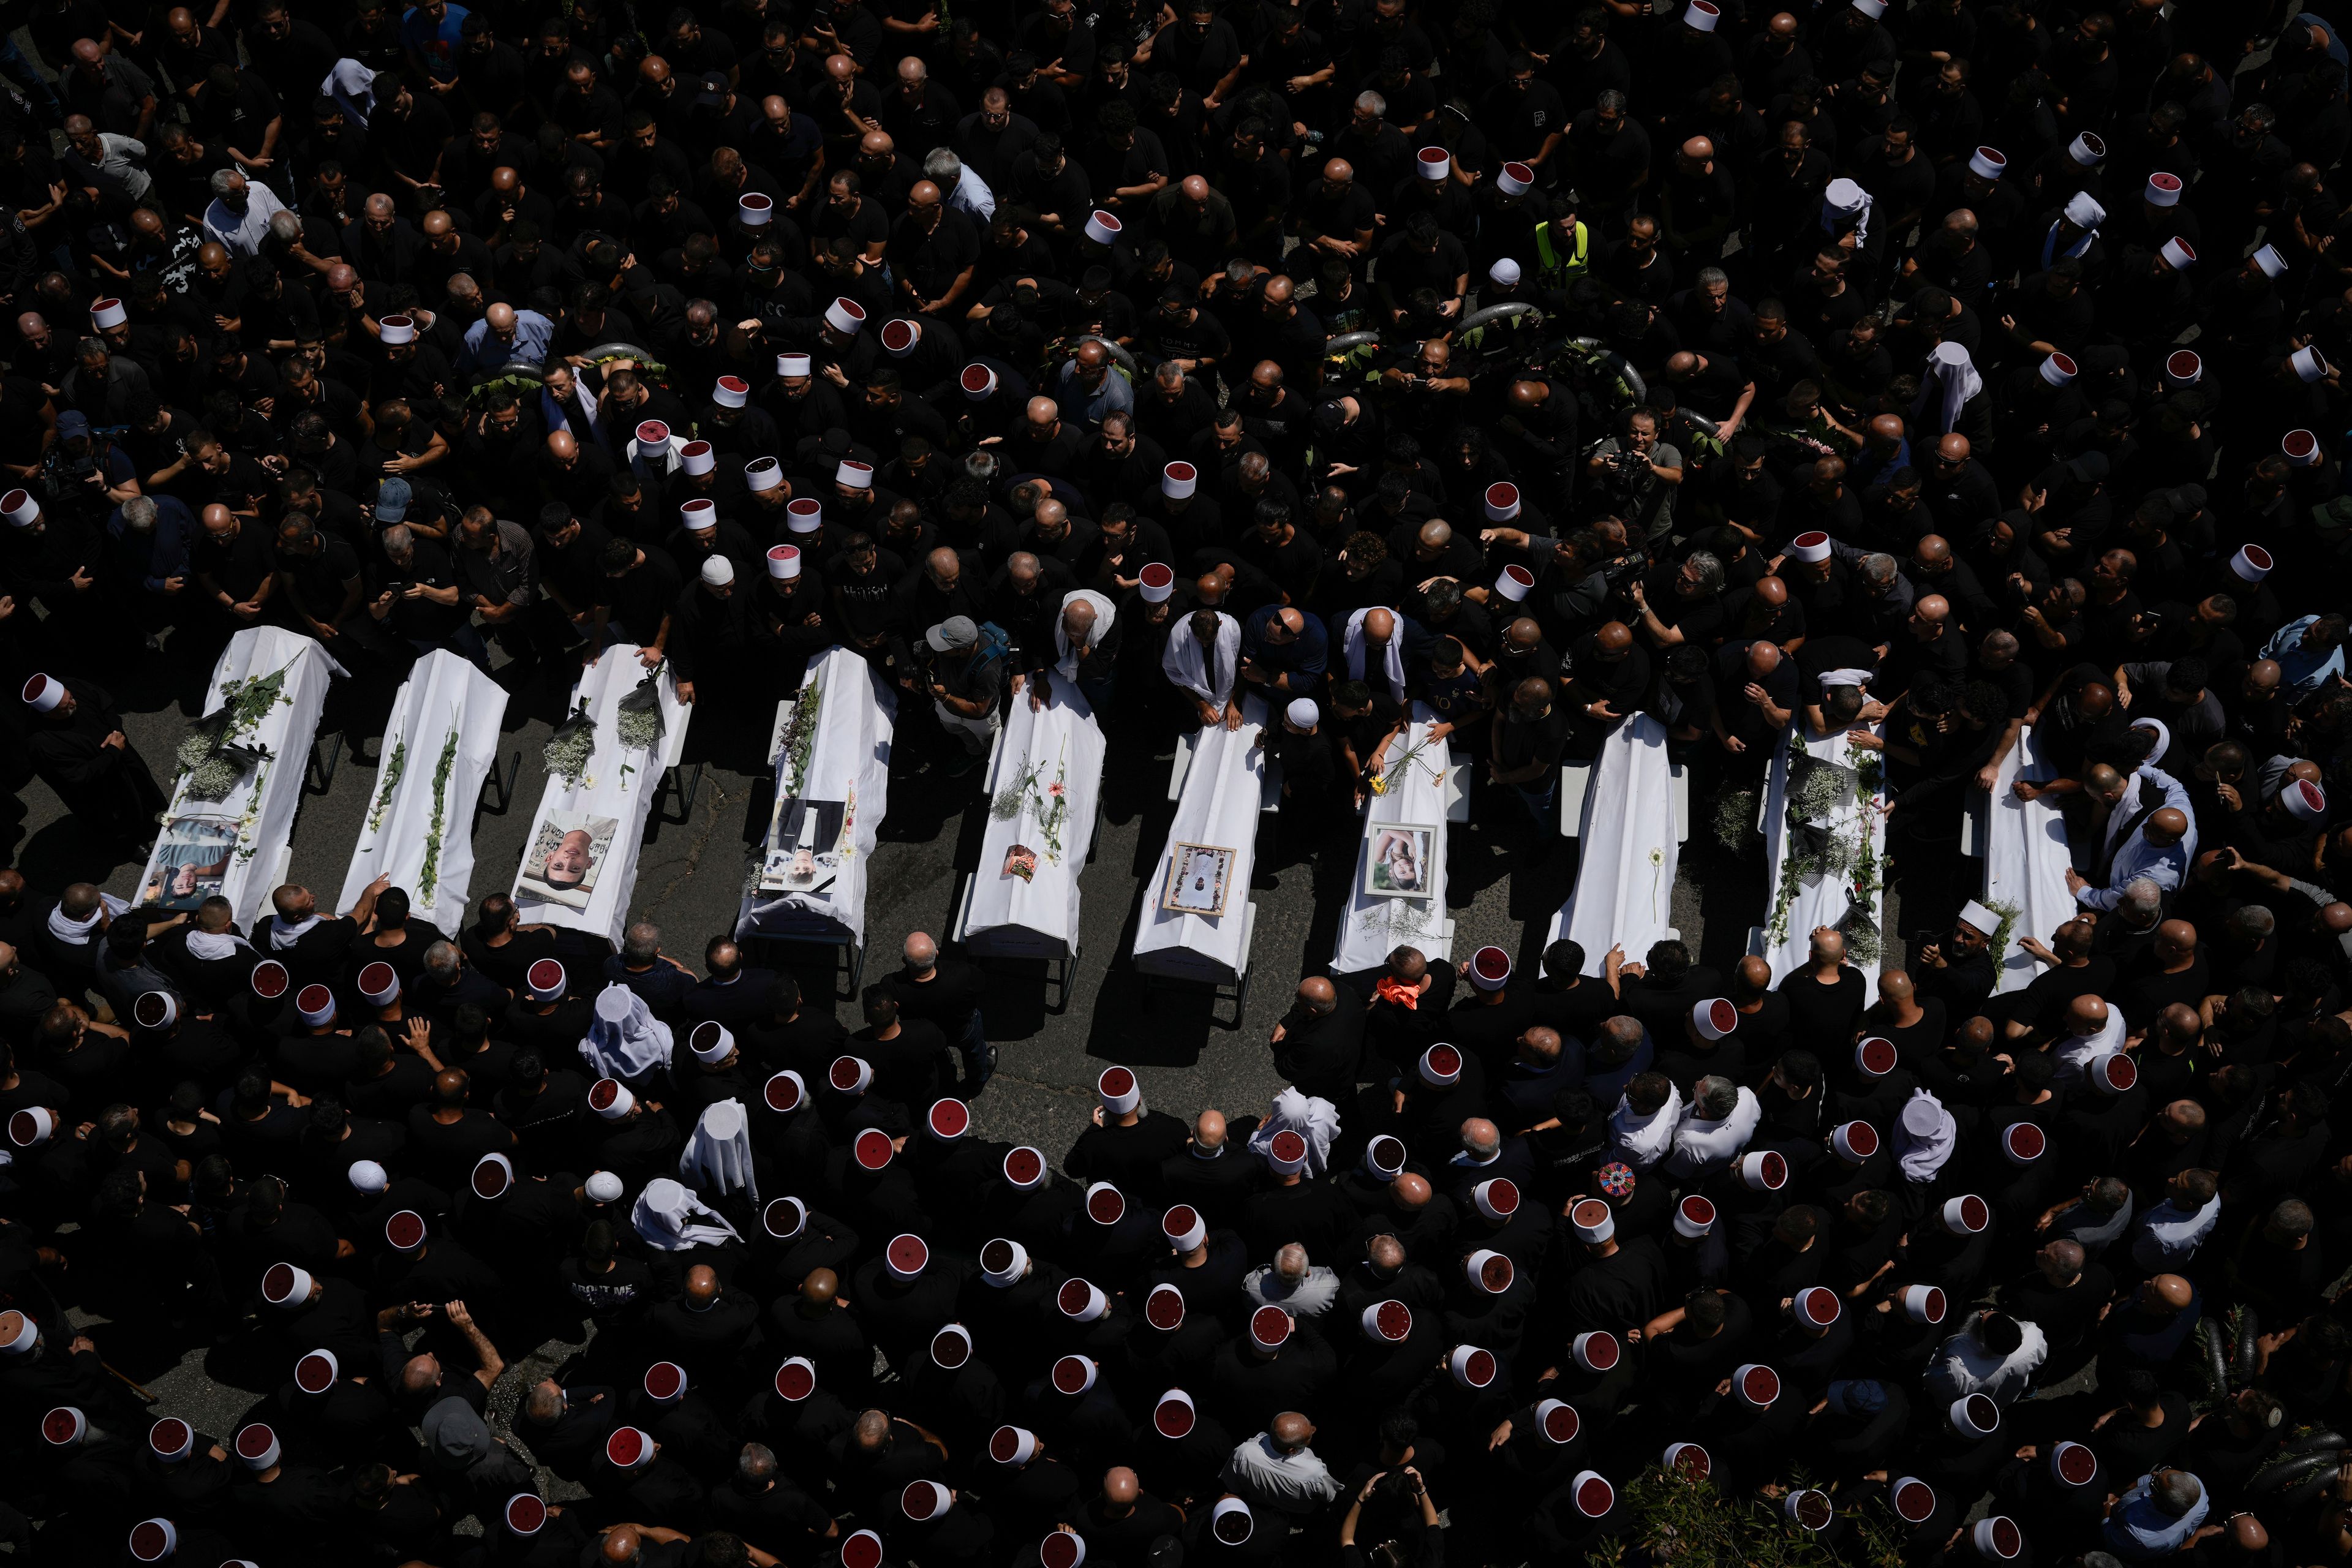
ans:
(1306, 1291)
(1277, 1469)
(1993, 1354)
(240, 212)
(2151, 832)
(2169, 1234)
(2094, 1030)
(1722, 1117)
(1641, 1128)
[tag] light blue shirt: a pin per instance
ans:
(2302, 671)
(2140, 1530)
(1115, 395)
(533, 332)
(2163, 864)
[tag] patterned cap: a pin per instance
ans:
(1617, 1178)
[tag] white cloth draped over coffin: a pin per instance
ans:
(857, 717)
(2026, 860)
(1224, 788)
(1820, 901)
(443, 692)
(1060, 741)
(1625, 894)
(621, 782)
(263, 803)
(1372, 925)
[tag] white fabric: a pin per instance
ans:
(2075, 1053)
(635, 1044)
(1060, 737)
(285, 933)
(262, 804)
(1922, 1157)
(209, 946)
(1643, 1140)
(671, 1218)
(606, 790)
(1703, 1148)
(1820, 901)
(1105, 617)
(856, 720)
(2169, 1235)
(717, 1157)
(1353, 642)
(353, 86)
(1959, 1366)
(1951, 379)
(2026, 861)
(1625, 893)
(1369, 927)
(67, 930)
(552, 415)
(1218, 806)
(443, 692)
(1316, 1120)
(1186, 663)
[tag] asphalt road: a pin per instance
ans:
(1504, 883)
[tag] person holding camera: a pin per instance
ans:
(1635, 474)
(1392, 1522)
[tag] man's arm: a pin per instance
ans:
(486, 1353)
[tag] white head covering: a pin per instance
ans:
(1925, 1136)
(1845, 202)
(1353, 642)
(1106, 616)
(353, 86)
(1951, 380)
(672, 1219)
(1187, 664)
(624, 1039)
(717, 1157)
(1316, 1120)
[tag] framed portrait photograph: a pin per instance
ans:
(1397, 859)
(566, 856)
(191, 861)
(1198, 877)
(1020, 861)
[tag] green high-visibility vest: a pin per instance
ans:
(1562, 266)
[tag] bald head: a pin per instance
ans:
(2167, 825)
(1409, 1192)
(820, 1288)
(1291, 1430)
(2086, 1015)
(1120, 1488)
(1435, 534)
(1319, 994)
(2167, 1293)
(1953, 448)
(1209, 1129)
(1895, 985)
(621, 1545)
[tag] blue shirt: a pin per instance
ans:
(2303, 672)
(1298, 662)
(435, 44)
(157, 555)
(2139, 1529)
(533, 332)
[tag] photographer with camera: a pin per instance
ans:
(1392, 1522)
(1635, 474)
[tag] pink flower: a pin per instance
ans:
(1057, 790)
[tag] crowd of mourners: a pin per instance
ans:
(1965, 377)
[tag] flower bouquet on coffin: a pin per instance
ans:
(637, 721)
(1415, 755)
(217, 753)
(1047, 806)
(799, 740)
(572, 746)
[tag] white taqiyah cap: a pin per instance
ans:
(905, 1258)
(923, 1501)
(1286, 1153)
(2058, 369)
(544, 980)
(19, 507)
(1432, 163)
(795, 1379)
(899, 338)
(379, 984)
(610, 1099)
(2087, 149)
(844, 315)
(1967, 1215)
(803, 515)
(1490, 969)
(1997, 1538)
(711, 1040)
(1556, 1421)
(2162, 190)
(492, 1175)
(1515, 582)
(367, 1176)
(1118, 1090)
(1302, 712)
(2084, 211)
(753, 210)
(1977, 918)
(404, 1232)
(1104, 1203)
(1703, 14)
(44, 692)
(1873, 9)
(1497, 1197)
(1504, 274)
(1183, 1228)
(2073, 1465)
(653, 439)
(628, 1448)
(1012, 1445)
(1489, 1271)
(2022, 1142)
(1156, 583)
(1597, 1350)
(2301, 447)
(1874, 1056)
(1388, 1322)
(1694, 1217)
(2308, 362)
(1082, 1300)
(977, 381)
(763, 474)
(784, 561)
(106, 313)
(666, 1383)
(315, 1006)
(1989, 163)
(850, 1075)
(2304, 801)
(789, 365)
(1755, 1385)
(1814, 1307)
(1441, 1065)
(1103, 228)
(2177, 254)
(1764, 1170)
(785, 1218)
(154, 1539)
(1471, 1367)
(1024, 1169)
(1179, 480)
(1855, 1140)
(19, 1334)
(394, 330)
(1593, 1221)
(2252, 563)
(2269, 259)
(1715, 1019)
(1515, 179)
(604, 1188)
(1502, 502)
(1814, 545)
(171, 1440)
(857, 476)
(696, 458)
(32, 1127)
(2182, 368)
(730, 392)
(257, 1447)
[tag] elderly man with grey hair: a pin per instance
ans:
(1304, 1289)
(240, 212)
(2158, 1517)
(1715, 1126)
(640, 965)
(961, 186)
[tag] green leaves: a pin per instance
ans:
(428, 879)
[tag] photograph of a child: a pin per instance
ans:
(1398, 866)
(565, 858)
(1020, 861)
(192, 860)
(1197, 878)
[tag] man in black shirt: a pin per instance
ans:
(1530, 732)
(945, 991)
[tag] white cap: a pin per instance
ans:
(1703, 14)
(1855, 1140)
(2089, 150)
(1814, 1307)
(2177, 254)
(857, 476)
(1012, 1445)
(315, 1006)
(795, 1379)
(1173, 1414)
(1183, 1228)
(1558, 1421)
(1514, 179)
(1179, 480)
(1387, 1322)
(1471, 1367)
(1432, 163)
(1997, 1537)
(257, 1447)
(2308, 362)
(791, 364)
(731, 392)
(1913, 1499)
(2058, 369)
(1303, 712)
(1689, 1459)
(1103, 228)
(106, 313)
(1441, 1065)
(1073, 1374)
(32, 1127)
(317, 1371)
(1104, 1203)
(666, 1383)
(544, 980)
(2162, 190)
(1593, 1221)
(1814, 545)
(367, 1177)
(696, 457)
(154, 1539)
(1757, 1385)
(1991, 163)
(1001, 1261)
(492, 1175)
(1874, 1056)
(753, 210)
(1967, 1215)
(1764, 1171)
(844, 315)
(977, 381)
(1597, 1350)
(2022, 1142)
(1385, 1156)
(1081, 1301)
(1504, 274)
(1024, 1169)
(1490, 969)
(44, 692)
(1515, 582)
(947, 1120)
(394, 330)
(1844, 196)
(2269, 259)
(2082, 209)
(1489, 1271)
(610, 1099)
(785, 1092)
(64, 1426)
(1591, 1494)
(923, 1501)
(763, 474)
(379, 984)
(1497, 1197)
(1502, 502)
(1873, 9)
(653, 439)
(850, 1075)
(628, 1448)
(2073, 1465)
(899, 336)
(710, 1040)
(2252, 563)
(905, 1258)
(21, 509)
(1118, 1090)
(1977, 917)
(785, 1218)
(1156, 583)
(2304, 801)
(804, 515)
(2182, 368)
(1694, 1217)
(604, 1188)
(404, 1232)
(1810, 1506)
(1715, 1019)
(784, 561)
(1222, 1516)
(1286, 1153)
(525, 1515)
(2114, 1072)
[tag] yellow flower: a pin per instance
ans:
(1379, 784)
